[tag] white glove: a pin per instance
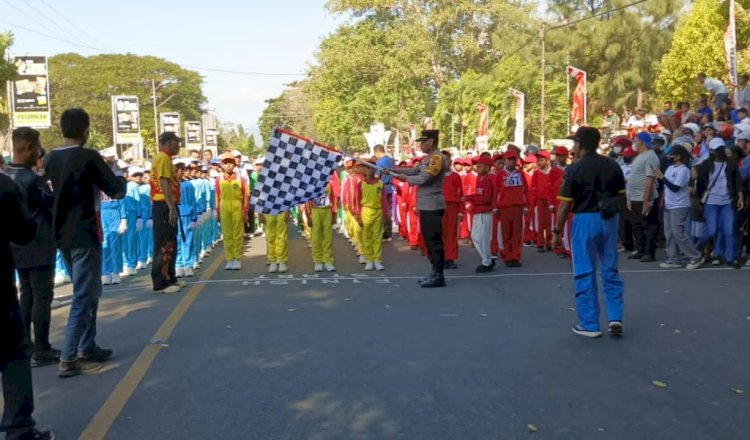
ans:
(192, 225)
(139, 225)
(123, 226)
(149, 223)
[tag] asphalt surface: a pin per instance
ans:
(373, 356)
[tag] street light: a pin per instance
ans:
(453, 133)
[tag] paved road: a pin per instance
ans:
(372, 356)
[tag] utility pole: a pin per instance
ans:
(156, 117)
(542, 101)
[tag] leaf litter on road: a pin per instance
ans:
(737, 391)
(532, 427)
(658, 384)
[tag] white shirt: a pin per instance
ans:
(714, 85)
(633, 122)
(680, 176)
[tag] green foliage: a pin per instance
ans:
(7, 73)
(89, 82)
(292, 110)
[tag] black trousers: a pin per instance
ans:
(388, 218)
(431, 224)
(18, 396)
(165, 247)
(250, 225)
(37, 292)
(645, 228)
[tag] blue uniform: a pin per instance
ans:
(132, 203)
(188, 215)
(201, 204)
(213, 229)
(146, 236)
(112, 212)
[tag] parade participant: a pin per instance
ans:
(412, 212)
(277, 240)
(592, 189)
(453, 193)
(343, 213)
(208, 156)
(373, 201)
(543, 195)
(201, 207)
(511, 200)
(134, 218)
(187, 221)
(468, 181)
(530, 163)
(232, 201)
(165, 195)
(496, 235)
(428, 179)
(213, 234)
(18, 395)
(77, 175)
(320, 213)
(680, 247)
(354, 202)
(555, 181)
(483, 203)
(402, 193)
(719, 188)
(35, 261)
(146, 236)
(385, 162)
(642, 198)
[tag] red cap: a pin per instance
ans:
(561, 151)
(628, 151)
(510, 154)
(544, 153)
(484, 160)
(496, 157)
(530, 159)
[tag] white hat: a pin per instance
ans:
(741, 127)
(259, 161)
(132, 171)
(666, 132)
(745, 135)
(147, 166)
(245, 159)
(692, 127)
(236, 153)
(716, 143)
(180, 161)
(108, 153)
(122, 164)
(213, 173)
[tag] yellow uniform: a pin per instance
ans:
(232, 196)
(277, 238)
(322, 228)
(371, 202)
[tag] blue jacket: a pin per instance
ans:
(145, 191)
(133, 198)
(187, 201)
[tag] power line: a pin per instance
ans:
(25, 14)
(99, 49)
(71, 25)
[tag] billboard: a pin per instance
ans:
(30, 104)
(126, 119)
(170, 121)
(193, 138)
(210, 139)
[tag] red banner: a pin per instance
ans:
(484, 120)
(578, 111)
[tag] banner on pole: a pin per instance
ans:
(483, 138)
(730, 45)
(30, 106)
(295, 171)
(170, 121)
(193, 138)
(578, 111)
(520, 116)
(126, 119)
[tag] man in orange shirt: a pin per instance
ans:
(165, 195)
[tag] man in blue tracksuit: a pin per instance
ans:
(135, 221)
(188, 222)
(593, 190)
(201, 204)
(146, 236)
(114, 226)
(213, 229)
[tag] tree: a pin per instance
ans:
(7, 73)
(698, 46)
(89, 82)
(291, 110)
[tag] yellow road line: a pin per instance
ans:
(99, 426)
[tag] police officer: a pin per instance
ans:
(428, 178)
(592, 190)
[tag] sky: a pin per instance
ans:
(270, 36)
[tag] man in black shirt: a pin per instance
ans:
(36, 260)
(18, 396)
(592, 190)
(77, 175)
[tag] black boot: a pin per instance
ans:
(437, 280)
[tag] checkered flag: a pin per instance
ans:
(295, 170)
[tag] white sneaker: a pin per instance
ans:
(116, 279)
(229, 265)
(149, 261)
(330, 267)
(60, 280)
(140, 266)
(171, 289)
(369, 266)
(282, 268)
(106, 280)
(273, 268)
(180, 272)
(66, 279)
(319, 267)
(379, 266)
(189, 272)
(237, 265)
(203, 255)
(362, 259)
(124, 274)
